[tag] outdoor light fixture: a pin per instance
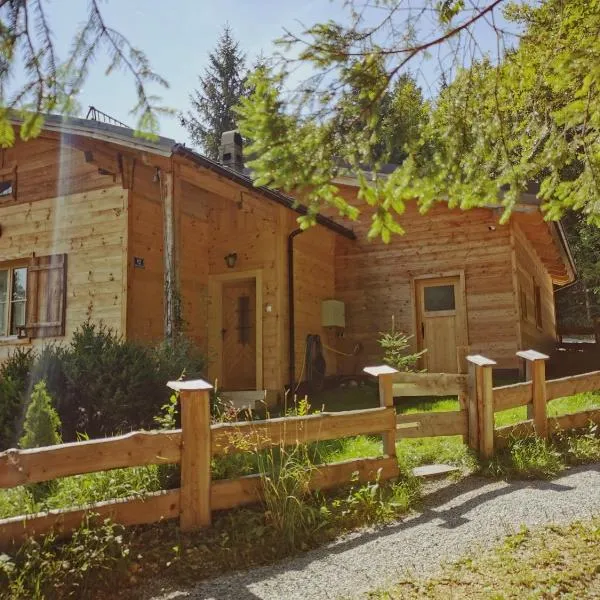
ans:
(231, 259)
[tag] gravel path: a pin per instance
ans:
(456, 519)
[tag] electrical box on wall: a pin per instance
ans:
(333, 313)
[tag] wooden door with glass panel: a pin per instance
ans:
(239, 335)
(439, 312)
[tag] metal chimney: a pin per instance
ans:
(231, 150)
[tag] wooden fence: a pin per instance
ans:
(192, 447)
(479, 401)
(198, 441)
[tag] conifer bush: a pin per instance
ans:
(397, 349)
(42, 423)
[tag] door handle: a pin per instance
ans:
(223, 332)
(422, 330)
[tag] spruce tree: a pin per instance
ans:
(42, 423)
(221, 87)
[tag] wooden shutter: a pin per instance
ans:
(46, 296)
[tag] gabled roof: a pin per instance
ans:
(167, 147)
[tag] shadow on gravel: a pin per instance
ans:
(235, 585)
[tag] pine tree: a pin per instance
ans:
(221, 87)
(42, 423)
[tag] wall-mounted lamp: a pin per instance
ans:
(231, 259)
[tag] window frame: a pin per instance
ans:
(10, 267)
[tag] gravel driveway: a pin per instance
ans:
(456, 519)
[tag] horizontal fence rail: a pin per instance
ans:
(429, 384)
(512, 396)
(287, 431)
(576, 384)
(417, 425)
(578, 420)
(150, 508)
(19, 467)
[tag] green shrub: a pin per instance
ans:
(102, 384)
(580, 447)
(47, 570)
(526, 458)
(42, 423)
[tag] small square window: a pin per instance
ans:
(439, 297)
(6, 188)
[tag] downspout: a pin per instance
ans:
(291, 303)
(165, 181)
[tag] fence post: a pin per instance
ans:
(481, 405)
(195, 511)
(385, 376)
(535, 363)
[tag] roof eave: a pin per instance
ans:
(273, 195)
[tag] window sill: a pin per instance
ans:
(13, 340)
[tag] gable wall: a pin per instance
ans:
(254, 229)
(64, 206)
(374, 279)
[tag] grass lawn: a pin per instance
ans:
(546, 563)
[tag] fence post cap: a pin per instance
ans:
(189, 386)
(532, 355)
(481, 361)
(380, 370)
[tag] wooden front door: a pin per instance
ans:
(239, 335)
(439, 317)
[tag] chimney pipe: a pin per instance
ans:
(231, 150)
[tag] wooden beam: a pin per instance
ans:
(20, 467)
(150, 508)
(511, 396)
(454, 422)
(288, 431)
(196, 453)
(230, 493)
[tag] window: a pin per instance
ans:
(439, 297)
(537, 303)
(13, 300)
(6, 188)
(33, 297)
(8, 183)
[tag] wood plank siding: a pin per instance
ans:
(64, 206)
(314, 281)
(376, 280)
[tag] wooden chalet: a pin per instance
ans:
(147, 237)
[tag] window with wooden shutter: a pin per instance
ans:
(46, 296)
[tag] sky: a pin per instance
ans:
(177, 36)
